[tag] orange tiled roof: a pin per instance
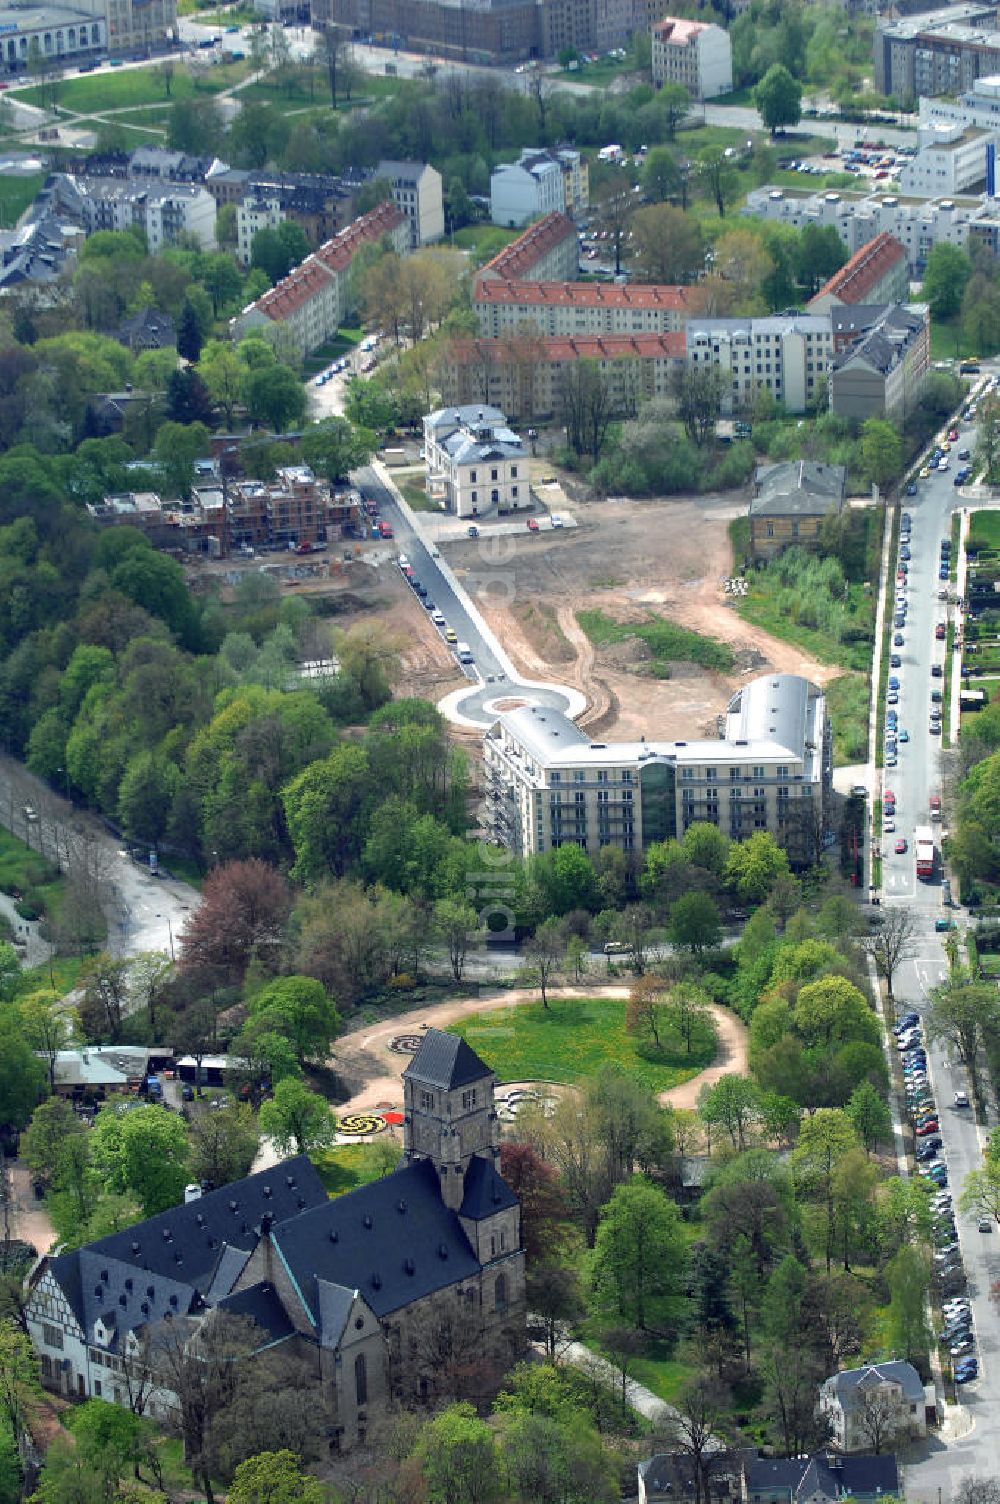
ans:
(316, 271)
(865, 270)
(557, 347)
(583, 294)
(338, 253)
(517, 259)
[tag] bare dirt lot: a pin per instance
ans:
(633, 560)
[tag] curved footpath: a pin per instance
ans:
(365, 1053)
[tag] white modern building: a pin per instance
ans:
(917, 223)
(951, 157)
(522, 193)
(476, 463)
(417, 193)
(256, 212)
(695, 54)
(549, 784)
(785, 354)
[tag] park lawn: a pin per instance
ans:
(22, 868)
(343, 343)
(62, 974)
(985, 528)
(947, 342)
(667, 642)
(301, 91)
(483, 242)
(847, 704)
(99, 92)
(572, 1039)
(598, 75)
(16, 193)
(133, 135)
(344, 1167)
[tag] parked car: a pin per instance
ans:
(961, 1099)
(940, 632)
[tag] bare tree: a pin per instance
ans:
(202, 1362)
(545, 951)
(892, 943)
(587, 407)
(877, 1417)
(614, 211)
(973, 1490)
(693, 1426)
(697, 391)
(337, 58)
(444, 1352)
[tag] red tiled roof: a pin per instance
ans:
(557, 347)
(338, 253)
(316, 271)
(583, 294)
(859, 276)
(288, 295)
(517, 259)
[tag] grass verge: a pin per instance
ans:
(984, 530)
(346, 1166)
(573, 1038)
(16, 193)
(847, 701)
(26, 872)
(667, 642)
(949, 658)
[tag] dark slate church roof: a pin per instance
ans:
(393, 1240)
(486, 1192)
(263, 1307)
(446, 1061)
(177, 1252)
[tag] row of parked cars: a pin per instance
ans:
(956, 1332)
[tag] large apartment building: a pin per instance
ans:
(523, 375)
(695, 54)
(312, 299)
(578, 309)
(917, 223)
(550, 784)
(164, 211)
(492, 31)
(938, 52)
(547, 251)
(785, 354)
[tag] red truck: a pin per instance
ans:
(935, 805)
(385, 529)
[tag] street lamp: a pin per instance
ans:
(170, 933)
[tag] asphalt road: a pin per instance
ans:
(143, 912)
(492, 676)
(940, 1468)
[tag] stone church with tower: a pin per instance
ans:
(398, 1285)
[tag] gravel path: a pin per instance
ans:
(364, 1055)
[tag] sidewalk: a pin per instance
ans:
(955, 708)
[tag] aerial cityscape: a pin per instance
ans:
(500, 705)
